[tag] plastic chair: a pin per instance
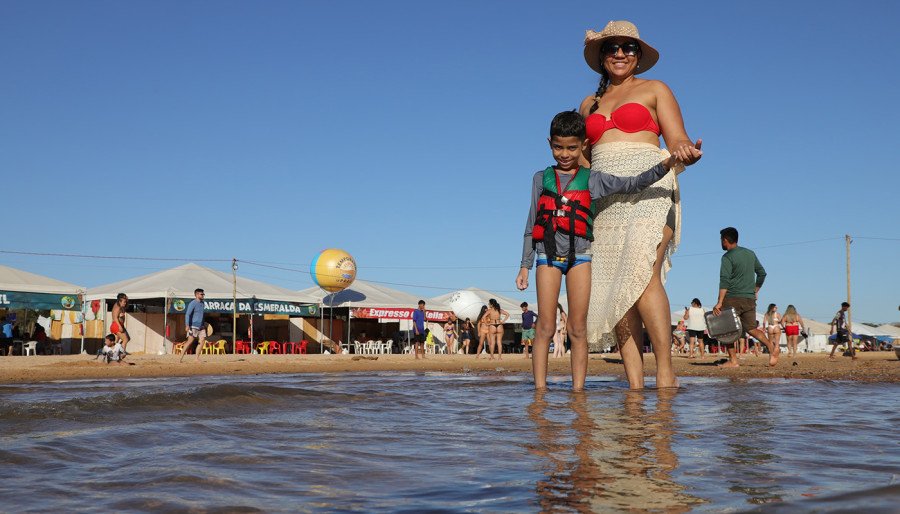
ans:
(276, 347)
(289, 347)
(389, 346)
(177, 348)
(242, 347)
(29, 348)
(218, 347)
(303, 344)
(263, 347)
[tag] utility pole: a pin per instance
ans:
(234, 268)
(849, 240)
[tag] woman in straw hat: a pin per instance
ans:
(635, 234)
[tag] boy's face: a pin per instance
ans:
(567, 151)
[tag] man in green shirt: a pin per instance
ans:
(740, 278)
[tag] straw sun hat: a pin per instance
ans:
(594, 40)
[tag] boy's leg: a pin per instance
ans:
(578, 290)
(547, 282)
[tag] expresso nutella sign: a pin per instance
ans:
(396, 313)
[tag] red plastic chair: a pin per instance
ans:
(275, 347)
(303, 345)
(242, 347)
(290, 347)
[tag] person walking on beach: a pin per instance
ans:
(465, 336)
(772, 324)
(839, 327)
(495, 317)
(559, 338)
(418, 323)
(696, 326)
(484, 332)
(740, 277)
(528, 317)
(450, 334)
(193, 322)
(793, 324)
(117, 327)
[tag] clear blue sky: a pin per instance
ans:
(407, 133)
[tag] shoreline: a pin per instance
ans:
(870, 367)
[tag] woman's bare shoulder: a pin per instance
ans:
(586, 104)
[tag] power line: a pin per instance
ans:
(114, 257)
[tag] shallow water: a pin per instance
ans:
(414, 442)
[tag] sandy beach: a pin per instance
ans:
(870, 367)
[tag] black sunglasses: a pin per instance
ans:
(629, 48)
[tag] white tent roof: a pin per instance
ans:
(369, 294)
(890, 330)
(12, 279)
(181, 281)
(508, 304)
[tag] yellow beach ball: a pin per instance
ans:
(333, 270)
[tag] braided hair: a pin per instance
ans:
(604, 83)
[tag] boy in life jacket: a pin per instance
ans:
(559, 230)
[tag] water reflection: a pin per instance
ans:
(749, 461)
(607, 457)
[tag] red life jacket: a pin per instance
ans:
(569, 212)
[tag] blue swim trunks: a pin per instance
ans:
(562, 262)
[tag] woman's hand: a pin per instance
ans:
(688, 152)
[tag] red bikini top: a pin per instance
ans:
(630, 117)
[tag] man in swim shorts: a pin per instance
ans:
(740, 277)
(193, 322)
(841, 332)
(528, 317)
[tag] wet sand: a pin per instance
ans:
(870, 367)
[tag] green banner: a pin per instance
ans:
(39, 301)
(251, 306)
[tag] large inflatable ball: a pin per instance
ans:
(333, 270)
(465, 304)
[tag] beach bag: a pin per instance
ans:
(726, 327)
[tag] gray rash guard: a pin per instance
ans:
(600, 185)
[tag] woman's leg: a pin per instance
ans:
(630, 338)
(653, 309)
(692, 341)
(481, 337)
(498, 341)
(578, 291)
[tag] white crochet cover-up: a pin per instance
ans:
(627, 231)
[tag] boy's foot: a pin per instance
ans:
(729, 364)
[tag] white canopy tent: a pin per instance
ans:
(508, 304)
(890, 330)
(12, 279)
(180, 282)
(369, 295)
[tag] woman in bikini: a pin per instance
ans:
(496, 318)
(483, 332)
(559, 338)
(772, 324)
(635, 234)
(793, 324)
(465, 335)
(450, 334)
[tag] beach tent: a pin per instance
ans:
(369, 300)
(21, 290)
(174, 288)
(508, 304)
(890, 330)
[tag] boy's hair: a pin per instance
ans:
(421, 302)
(198, 290)
(845, 304)
(110, 337)
(729, 234)
(524, 305)
(567, 124)
(121, 295)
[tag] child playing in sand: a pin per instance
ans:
(112, 351)
(559, 229)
